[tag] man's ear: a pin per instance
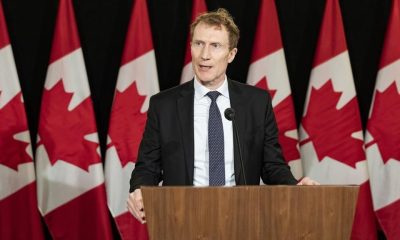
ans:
(232, 54)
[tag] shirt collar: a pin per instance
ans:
(201, 91)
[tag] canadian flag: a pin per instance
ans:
(19, 215)
(71, 190)
(137, 82)
(383, 132)
(198, 7)
(331, 139)
(268, 71)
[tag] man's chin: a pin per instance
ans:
(205, 81)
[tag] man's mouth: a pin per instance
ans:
(205, 67)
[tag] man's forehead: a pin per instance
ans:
(222, 33)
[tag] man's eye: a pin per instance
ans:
(216, 45)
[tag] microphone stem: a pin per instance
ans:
(240, 150)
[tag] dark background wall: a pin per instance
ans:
(102, 27)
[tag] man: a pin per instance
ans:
(187, 139)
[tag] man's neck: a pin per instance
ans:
(213, 85)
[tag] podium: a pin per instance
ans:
(250, 212)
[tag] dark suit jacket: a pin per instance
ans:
(167, 149)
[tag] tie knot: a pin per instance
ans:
(213, 95)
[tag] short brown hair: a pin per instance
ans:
(218, 18)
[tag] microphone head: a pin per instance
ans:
(229, 114)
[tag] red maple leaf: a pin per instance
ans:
(263, 84)
(384, 123)
(127, 123)
(330, 129)
(62, 131)
(12, 122)
(284, 114)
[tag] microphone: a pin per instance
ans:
(230, 115)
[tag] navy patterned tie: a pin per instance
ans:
(215, 143)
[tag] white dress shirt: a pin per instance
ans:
(201, 153)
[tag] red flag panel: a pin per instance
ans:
(137, 82)
(71, 189)
(331, 130)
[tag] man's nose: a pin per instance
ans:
(205, 53)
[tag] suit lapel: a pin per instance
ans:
(185, 115)
(237, 103)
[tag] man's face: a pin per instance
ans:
(211, 54)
